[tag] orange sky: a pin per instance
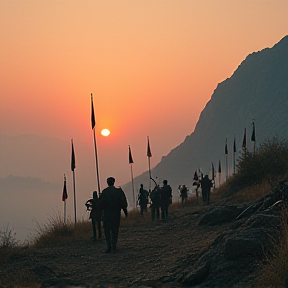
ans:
(151, 65)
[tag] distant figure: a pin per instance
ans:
(166, 199)
(143, 199)
(206, 185)
(112, 200)
(155, 197)
(93, 205)
(183, 194)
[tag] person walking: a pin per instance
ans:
(112, 200)
(166, 199)
(206, 185)
(93, 205)
(143, 199)
(155, 197)
(183, 194)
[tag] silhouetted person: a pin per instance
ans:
(183, 194)
(112, 200)
(93, 205)
(206, 185)
(155, 198)
(166, 199)
(143, 199)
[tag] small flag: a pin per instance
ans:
(64, 195)
(195, 178)
(130, 156)
(253, 138)
(219, 167)
(73, 166)
(149, 154)
(92, 113)
(244, 141)
(226, 148)
(234, 146)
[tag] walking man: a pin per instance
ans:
(112, 200)
(166, 199)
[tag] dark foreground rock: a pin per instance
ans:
(207, 246)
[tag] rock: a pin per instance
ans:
(197, 275)
(220, 215)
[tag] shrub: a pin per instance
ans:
(269, 162)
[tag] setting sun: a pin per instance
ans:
(105, 132)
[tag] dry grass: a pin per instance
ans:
(245, 195)
(274, 271)
(55, 231)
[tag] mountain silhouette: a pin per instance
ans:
(256, 92)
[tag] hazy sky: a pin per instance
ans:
(151, 66)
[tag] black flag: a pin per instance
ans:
(244, 141)
(149, 154)
(64, 195)
(130, 156)
(234, 146)
(219, 167)
(92, 113)
(73, 166)
(226, 148)
(253, 138)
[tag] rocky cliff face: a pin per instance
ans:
(257, 91)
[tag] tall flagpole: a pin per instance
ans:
(219, 172)
(253, 137)
(131, 162)
(73, 166)
(64, 197)
(93, 123)
(234, 156)
(226, 156)
(149, 155)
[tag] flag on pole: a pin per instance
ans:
(195, 178)
(234, 146)
(213, 172)
(226, 148)
(73, 166)
(64, 194)
(253, 138)
(244, 141)
(92, 113)
(130, 156)
(149, 154)
(219, 167)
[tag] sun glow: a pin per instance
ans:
(105, 132)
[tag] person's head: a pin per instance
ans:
(165, 182)
(110, 181)
(95, 195)
(141, 185)
(206, 176)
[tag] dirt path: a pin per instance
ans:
(148, 255)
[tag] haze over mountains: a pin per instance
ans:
(257, 90)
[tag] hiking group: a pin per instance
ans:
(107, 207)
(160, 198)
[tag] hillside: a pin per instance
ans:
(258, 91)
(220, 245)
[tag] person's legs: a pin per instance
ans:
(115, 232)
(94, 229)
(99, 229)
(107, 228)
